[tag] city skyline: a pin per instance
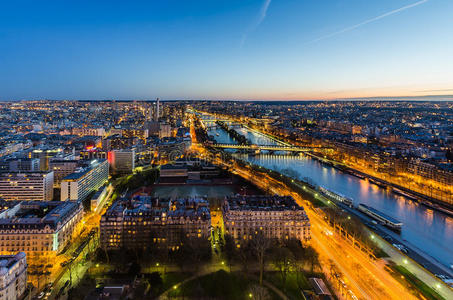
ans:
(258, 50)
(240, 149)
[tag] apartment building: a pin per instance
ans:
(27, 186)
(80, 184)
(143, 221)
(38, 227)
(278, 217)
(13, 276)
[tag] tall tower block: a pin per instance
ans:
(157, 110)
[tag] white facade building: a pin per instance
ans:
(26, 186)
(79, 185)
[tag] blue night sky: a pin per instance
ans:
(235, 49)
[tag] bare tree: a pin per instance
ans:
(258, 292)
(283, 260)
(260, 245)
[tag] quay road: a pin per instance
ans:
(387, 237)
(412, 261)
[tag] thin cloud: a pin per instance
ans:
(425, 91)
(259, 20)
(367, 21)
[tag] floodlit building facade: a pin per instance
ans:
(144, 221)
(37, 227)
(277, 217)
(80, 184)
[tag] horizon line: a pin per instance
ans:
(369, 98)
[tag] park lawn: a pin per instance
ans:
(218, 285)
(170, 279)
(293, 286)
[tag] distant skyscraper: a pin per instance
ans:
(156, 117)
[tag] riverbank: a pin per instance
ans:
(397, 189)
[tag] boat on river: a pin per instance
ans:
(382, 218)
(336, 196)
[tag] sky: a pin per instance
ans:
(232, 49)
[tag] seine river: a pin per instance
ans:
(428, 230)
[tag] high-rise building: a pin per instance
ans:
(26, 186)
(80, 184)
(21, 165)
(13, 276)
(44, 155)
(62, 168)
(157, 112)
(164, 130)
(122, 161)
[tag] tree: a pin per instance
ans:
(259, 292)
(134, 269)
(283, 260)
(245, 254)
(229, 249)
(260, 245)
(156, 282)
(312, 257)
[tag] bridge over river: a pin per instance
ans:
(262, 147)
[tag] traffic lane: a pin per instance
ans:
(373, 271)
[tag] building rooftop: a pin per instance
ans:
(8, 261)
(37, 213)
(261, 203)
(83, 171)
(191, 208)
